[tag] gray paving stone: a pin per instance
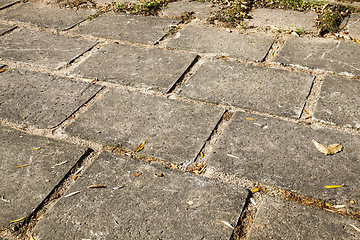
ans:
(352, 25)
(262, 89)
(43, 16)
(136, 66)
(42, 49)
(176, 206)
(280, 219)
(206, 38)
(173, 130)
(5, 28)
(200, 9)
(282, 154)
(148, 30)
(326, 54)
(24, 188)
(339, 102)
(41, 100)
(7, 3)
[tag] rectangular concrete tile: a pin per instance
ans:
(352, 25)
(5, 28)
(209, 39)
(199, 9)
(262, 89)
(42, 49)
(132, 28)
(282, 154)
(280, 219)
(326, 54)
(24, 188)
(136, 66)
(7, 3)
(41, 100)
(339, 102)
(284, 19)
(173, 130)
(43, 16)
(177, 205)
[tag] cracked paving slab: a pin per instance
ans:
(261, 89)
(136, 66)
(209, 39)
(277, 218)
(174, 131)
(31, 167)
(176, 205)
(42, 49)
(41, 100)
(5, 28)
(282, 154)
(326, 54)
(7, 3)
(131, 28)
(339, 102)
(199, 9)
(46, 17)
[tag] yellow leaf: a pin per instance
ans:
(249, 119)
(174, 166)
(201, 155)
(25, 165)
(320, 147)
(334, 148)
(35, 149)
(357, 40)
(18, 220)
(97, 186)
(255, 190)
(75, 177)
(333, 186)
(3, 70)
(328, 205)
(352, 202)
(140, 147)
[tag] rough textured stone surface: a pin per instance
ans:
(339, 102)
(24, 188)
(173, 130)
(326, 54)
(136, 66)
(206, 38)
(130, 28)
(282, 154)
(45, 17)
(175, 206)
(42, 49)
(41, 100)
(284, 19)
(7, 3)
(262, 89)
(200, 9)
(352, 25)
(5, 28)
(279, 219)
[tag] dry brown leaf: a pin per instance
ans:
(320, 147)
(97, 186)
(332, 149)
(138, 174)
(357, 40)
(140, 147)
(3, 70)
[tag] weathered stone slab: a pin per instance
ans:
(43, 16)
(326, 54)
(206, 38)
(24, 188)
(282, 154)
(262, 89)
(352, 25)
(177, 205)
(136, 66)
(173, 130)
(200, 9)
(284, 19)
(277, 219)
(5, 28)
(42, 49)
(130, 28)
(41, 100)
(339, 102)
(7, 3)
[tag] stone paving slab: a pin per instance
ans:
(5, 28)
(42, 49)
(326, 54)
(200, 9)
(132, 28)
(262, 89)
(280, 219)
(173, 130)
(41, 100)
(7, 3)
(339, 102)
(209, 39)
(282, 154)
(284, 19)
(177, 205)
(24, 188)
(136, 66)
(45, 17)
(352, 25)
